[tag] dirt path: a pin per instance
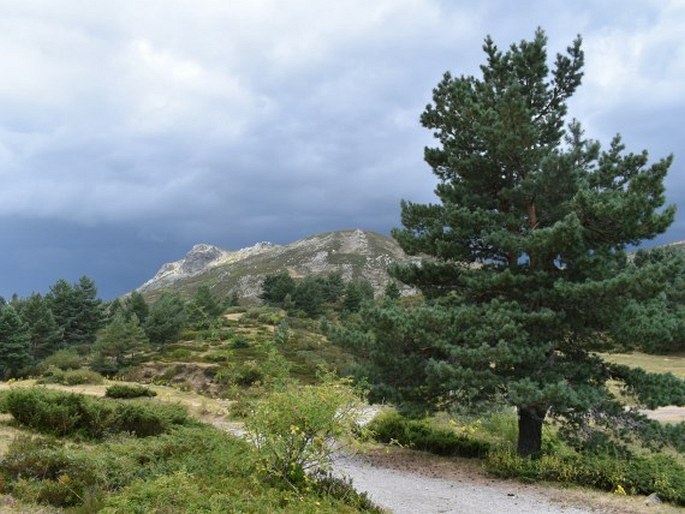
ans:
(405, 481)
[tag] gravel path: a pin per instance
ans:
(406, 491)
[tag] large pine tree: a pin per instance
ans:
(525, 269)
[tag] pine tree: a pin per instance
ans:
(204, 308)
(392, 291)
(166, 320)
(136, 304)
(357, 293)
(527, 269)
(77, 310)
(14, 343)
(275, 287)
(117, 343)
(45, 336)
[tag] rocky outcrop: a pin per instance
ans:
(352, 253)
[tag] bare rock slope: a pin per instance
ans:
(352, 253)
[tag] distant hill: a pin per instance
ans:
(352, 253)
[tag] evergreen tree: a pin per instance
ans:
(233, 300)
(333, 288)
(117, 343)
(45, 336)
(275, 287)
(136, 304)
(392, 291)
(166, 320)
(14, 343)
(308, 296)
(204, 308)
(657, 325)
(357, 293)
(77, 310)
(528, 269)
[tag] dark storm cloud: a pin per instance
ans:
(131, 130)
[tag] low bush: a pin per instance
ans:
(419, 434)
(636, 474)
(72, 377)
(125, 391)
(45, 471)
(292, 429)
(58, 413)
(62, 359)
(146, 419)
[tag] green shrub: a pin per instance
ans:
(147, 419)
(240, 343)
(125, 391)
(58, 413)
(636, 474)
(72, 377)
(62, 359)
(179, 354)
(292, 428)
(391, 427)
(44, 471)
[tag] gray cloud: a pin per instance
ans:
(136, 129)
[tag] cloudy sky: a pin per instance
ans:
(131, 130)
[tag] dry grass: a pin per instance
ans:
(655, 363)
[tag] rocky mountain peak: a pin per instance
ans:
(352, 253)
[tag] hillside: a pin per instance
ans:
(352, 253)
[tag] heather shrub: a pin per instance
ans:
(125, 391)
(58, 413)
(419, 434)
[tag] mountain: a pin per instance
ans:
(352, 253)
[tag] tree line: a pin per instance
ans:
(71, 317)
(312, 295)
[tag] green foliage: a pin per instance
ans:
(188, 469)
(126, 391)
(292, 428)
(136, 304)
(77, 310)
(357, 293)
(657, 324)
(14, 343)
(276, 287)
(65, 359)
(606, 471)
(392, 291)
(204, 308)
(390, 427)
(57, 413)
(70, 377)
(45, 471)
(118, 344)
(45, 335)
(166, 319)
(527, 273)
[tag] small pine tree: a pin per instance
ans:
(14, 343)
(392, 291)
(45, 336)
(166, 320)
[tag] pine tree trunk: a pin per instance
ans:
(530, 431)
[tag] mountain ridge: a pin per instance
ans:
(354, 253)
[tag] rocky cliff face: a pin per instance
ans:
(352, 253)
